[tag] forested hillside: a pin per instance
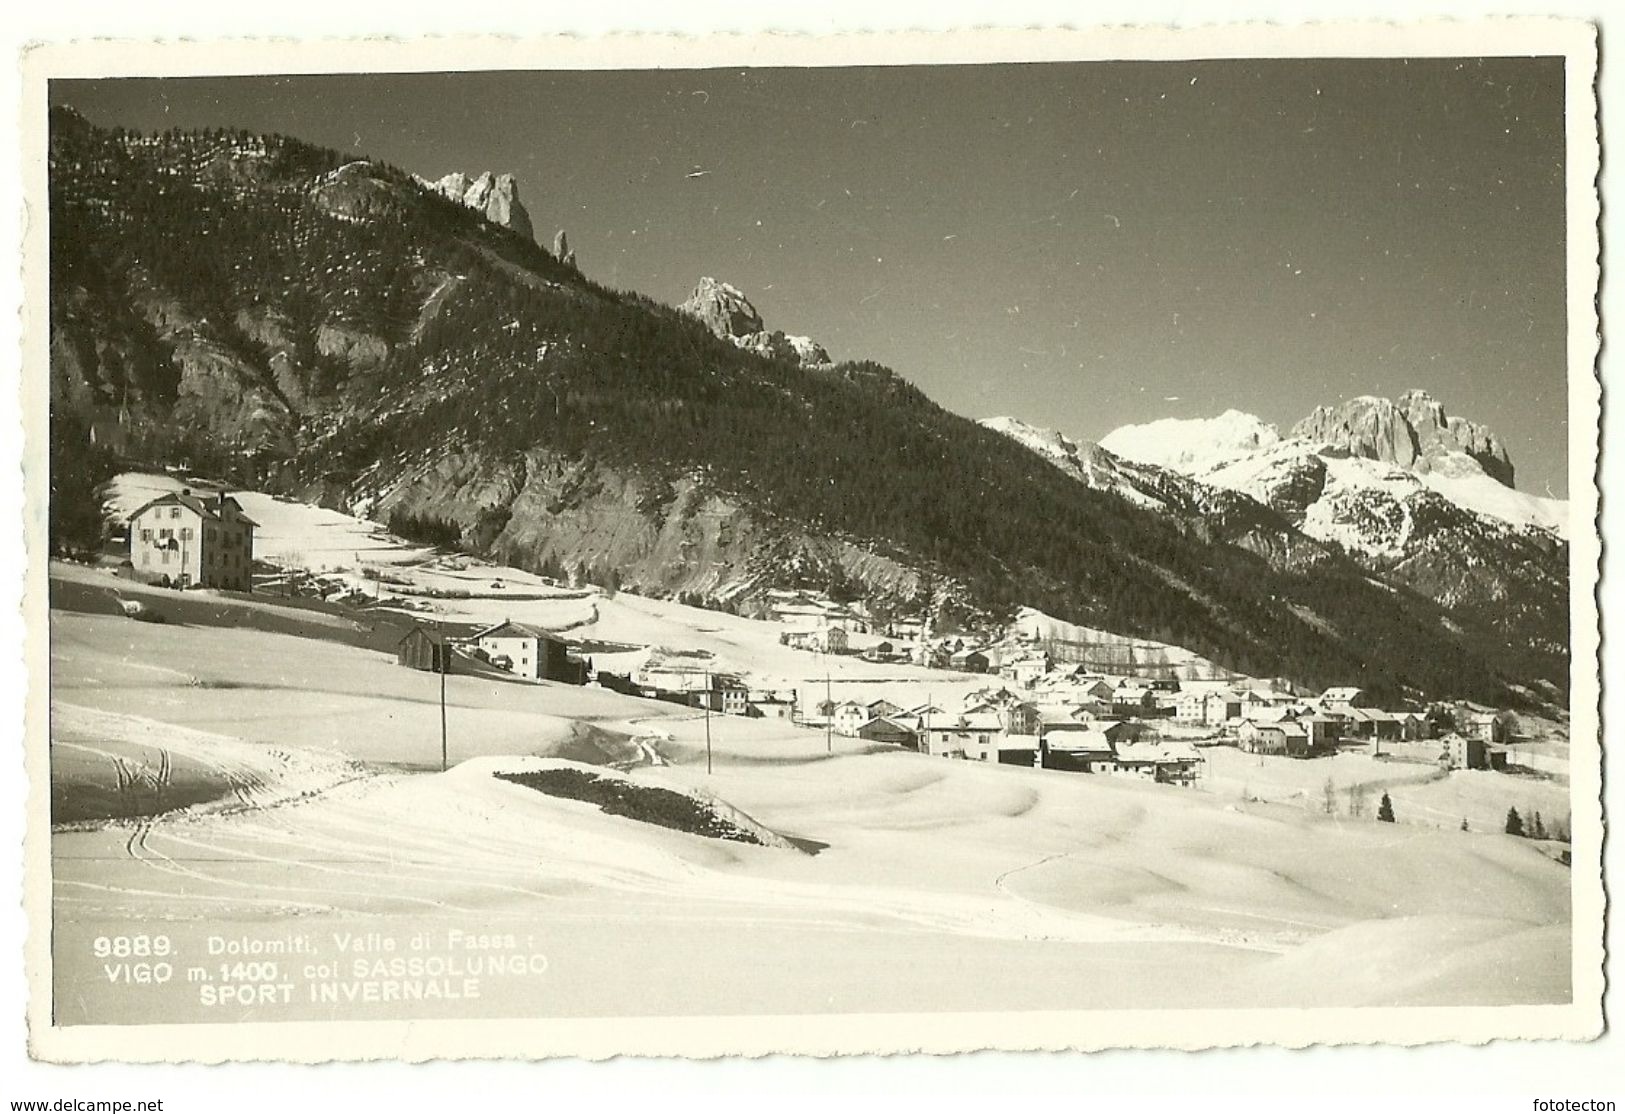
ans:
(269, 312)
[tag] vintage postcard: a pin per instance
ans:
(924, 542)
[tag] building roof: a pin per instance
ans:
(1066, 726)
(971, 721)
(1341, 694)
(886, 720)
(509, 629)
(980, 721)
(1088, 741)
(1156, 754)
(194, 503)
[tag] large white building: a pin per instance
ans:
(529, 653)
(189, 541)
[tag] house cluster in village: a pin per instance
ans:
(1156, 728)
(1093, 721)
(1039, 713)
(1043, 713)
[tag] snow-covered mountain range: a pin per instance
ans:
(1419, 497)
(1360, 473)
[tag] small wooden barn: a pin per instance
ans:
(424, 649)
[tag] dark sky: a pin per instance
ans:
(1079, 245)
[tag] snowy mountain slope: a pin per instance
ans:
(1406, 490)
(1472, 489)
(1412, 445)
(1203, 508)
(1086, 462)
(1192, 445)
(1296, 477)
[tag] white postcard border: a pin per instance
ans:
(823, 1035)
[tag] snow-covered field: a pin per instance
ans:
(1421, 792)
(908, 878)
(283, 788)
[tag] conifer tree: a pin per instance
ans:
(1514, 823)
(1385, 810)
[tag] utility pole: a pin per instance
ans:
(829, 712)
(445, 667)
(709, 692)
(926, 747)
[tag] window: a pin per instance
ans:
(146, 535)
(174, 512)
(186, 533)
(165, 552)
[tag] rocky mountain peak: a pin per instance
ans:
(494, 195)
(1413, 432)
(724, 309)
(562, 250)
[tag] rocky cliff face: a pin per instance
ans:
(1413, 432)
(542, 508)
(724, 309)
(495, 195)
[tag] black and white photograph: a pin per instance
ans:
(1073, 544)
